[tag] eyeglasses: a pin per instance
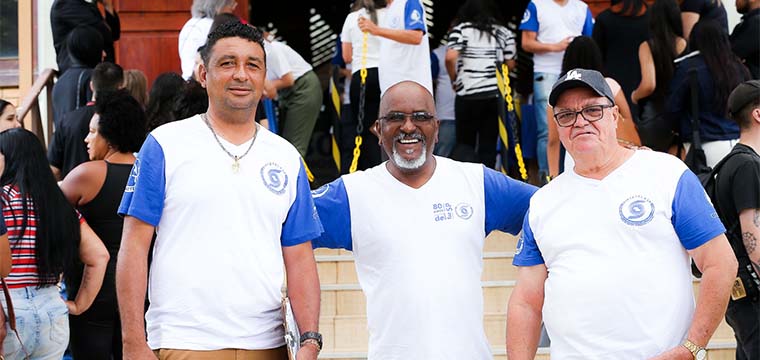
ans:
(590, 113)
(418, 117)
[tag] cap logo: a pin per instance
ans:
(573, 75)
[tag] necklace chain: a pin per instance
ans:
(236, 158)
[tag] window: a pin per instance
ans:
(8, 42)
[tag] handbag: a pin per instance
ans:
(656, 130)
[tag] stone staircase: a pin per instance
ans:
(343, 319)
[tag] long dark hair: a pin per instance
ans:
(664, 29)
(482, 14)
(726, 69)
(57, 226)
(370, 6)
(163, 94)
(584, 53)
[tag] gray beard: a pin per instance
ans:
(413, 164)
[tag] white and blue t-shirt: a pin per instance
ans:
(619, 284)
(401, 62)
(419, 253)
(217, 271)
(552, 23)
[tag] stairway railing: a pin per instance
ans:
(31, 103)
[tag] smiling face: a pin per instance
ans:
(234, 77)
(586, 137)
(407, 128)
(8, 118)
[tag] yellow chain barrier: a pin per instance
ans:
(360, 126)
(502, 79)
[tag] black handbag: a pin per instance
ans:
(656, 130)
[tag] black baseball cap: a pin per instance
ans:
(744, 94)
(581, 78)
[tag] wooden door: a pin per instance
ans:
(150, 32)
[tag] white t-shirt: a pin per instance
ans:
(298, 66)
(192, 36)
(478, 53)
(419, 253)
(619, 284)
(401, 62)
(553, 23)
(217, 271)
(444, 93)
(277, 65)
(352, 34)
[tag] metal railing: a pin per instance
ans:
(31, 103)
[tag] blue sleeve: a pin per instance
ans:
(414, 16)
(527, 252)
(530, 18)
(332, 205)
(302, 223)
(506, 201)
(588, 26)
(146, 187)
(435, 68)
(694, 217)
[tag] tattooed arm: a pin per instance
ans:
(750, 223)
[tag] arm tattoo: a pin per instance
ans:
(750, 242)
(756, 218)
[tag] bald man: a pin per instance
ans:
(416, 225)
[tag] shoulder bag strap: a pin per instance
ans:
(11, 319)
(696, 141)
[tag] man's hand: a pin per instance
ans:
(366, 25)
(562, 45)
(270, 91)
(307, 352)
(138, 351)
(678, 353)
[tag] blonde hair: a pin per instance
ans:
(137, 84)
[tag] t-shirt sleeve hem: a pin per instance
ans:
(300, 239)
(147, 218)
(528, 261)
(695, 243)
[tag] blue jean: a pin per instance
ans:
(42, 321)
(446, 138)
(542, 87)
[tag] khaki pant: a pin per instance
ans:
(280, 353)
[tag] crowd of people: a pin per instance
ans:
(172, 213)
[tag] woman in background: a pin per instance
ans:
(47, 239)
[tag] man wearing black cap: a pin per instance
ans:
(604, 253)
(737, 200)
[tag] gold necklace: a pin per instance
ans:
(235, 158)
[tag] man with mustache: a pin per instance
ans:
(416, 225)
(230, 203)
(604, 252)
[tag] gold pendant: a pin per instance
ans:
(235, 166)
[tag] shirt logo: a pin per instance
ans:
(520, 243)
(442, 211)
(636, 210)
(414, 17)
(573, 75)
(526, 16)
(464, 211)
(318, 193)
(133, 175)
(274, 178)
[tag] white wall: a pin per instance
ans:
(733, 16)
(45, 50)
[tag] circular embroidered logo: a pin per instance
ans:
(317, 193)
(636, 210)
(464, 211)
(526, 16)
(274, 178)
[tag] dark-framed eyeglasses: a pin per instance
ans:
(590, 113)
(418, 117)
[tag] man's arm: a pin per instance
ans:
(411, 37)
(131, 284)
(749, 220)
(303, 291)
(531, 44)
(718, 265)
(524, 312)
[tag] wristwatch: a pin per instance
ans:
(313, 338)
(699, 352)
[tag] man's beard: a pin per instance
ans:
(413, 164)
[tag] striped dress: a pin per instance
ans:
(478, 53)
